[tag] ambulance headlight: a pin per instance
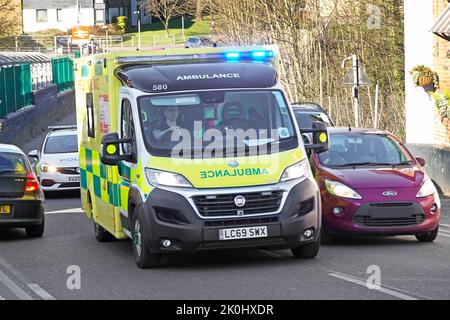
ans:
(165, 178)
(300, 170)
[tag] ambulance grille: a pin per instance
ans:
(223, 204)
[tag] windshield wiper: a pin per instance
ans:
(371, 163)
(404, 163)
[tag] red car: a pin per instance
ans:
(372, 185)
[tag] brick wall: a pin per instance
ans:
(442, 131)
(441, 64)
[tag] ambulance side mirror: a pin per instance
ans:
(111, 146)
(320, 140)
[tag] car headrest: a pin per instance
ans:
(233, 110)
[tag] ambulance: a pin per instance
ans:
(195, 149)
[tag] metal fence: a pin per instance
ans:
(22, 73)
(15, 88)
(63, 76)
(62, 45)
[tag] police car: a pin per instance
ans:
(57, 163)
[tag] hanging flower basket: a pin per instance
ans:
(424, 77)
(424, 81)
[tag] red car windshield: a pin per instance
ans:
(361, 149)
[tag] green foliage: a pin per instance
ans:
(122, 23)
(191, 27)
(423, 71)
(156, 30)
(442, 102)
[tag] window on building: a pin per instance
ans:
(99, 15)
(41, 15)
(59, 17)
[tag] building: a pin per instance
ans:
(427, 42)
(64, 14)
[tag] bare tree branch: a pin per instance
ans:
(165, 10)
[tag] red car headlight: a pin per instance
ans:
(341, 190)
(427, 189)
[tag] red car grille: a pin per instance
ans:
(389, 222)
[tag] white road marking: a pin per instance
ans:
(34, 287)
(364, 284)
(14, 288)
(73, 210)
(40, 292)
(444, 235)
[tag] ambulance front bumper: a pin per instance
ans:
(169, 215)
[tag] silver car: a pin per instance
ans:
(200, 42)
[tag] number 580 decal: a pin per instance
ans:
(159, 87)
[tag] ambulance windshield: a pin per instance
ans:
(217, 123)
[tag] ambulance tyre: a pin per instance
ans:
(101, 234)
(307, 251)
(143, 257)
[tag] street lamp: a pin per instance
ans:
(138, 12)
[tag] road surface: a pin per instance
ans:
(44, 268)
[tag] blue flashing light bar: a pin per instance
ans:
(235, 56)
(232, 55)
(262, 54)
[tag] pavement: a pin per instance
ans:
(47, 268)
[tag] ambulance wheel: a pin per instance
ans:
(307, 251)
(144, 258)
(101, 234)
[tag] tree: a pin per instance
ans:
(200, 5)
(9, 24)
(314, 36)
(165, 10)
(197, 8)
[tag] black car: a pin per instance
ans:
(21, 197)
(308, 112)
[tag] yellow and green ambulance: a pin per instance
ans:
(194, 149)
